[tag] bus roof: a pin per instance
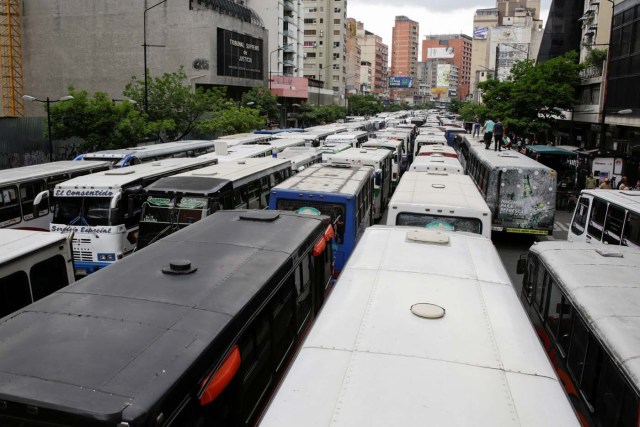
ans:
(602, 282)
(369, 361)
(349, 135)
(17, 243)
(510, 158)
(325, 178)
(245, 138)
(384, 143)
(282, 144)
(629, 199)
(116, 178)
(439, 190)
(29, 173)
(359, 154)
(211, 179)
(112, 345)
(438, 149)
(149, 150)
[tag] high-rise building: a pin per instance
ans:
(404, 59)
(453, 49)
(375, 52)
(353, 58)
(325, 39)
(508, 8)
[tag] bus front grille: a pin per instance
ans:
(83, 256)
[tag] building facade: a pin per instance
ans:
(455, 49)
(375, 52)
(404, 60)
(353, 59)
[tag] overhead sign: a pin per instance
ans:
(239, 55)
(400, 82)
(480, 33)
(440, 52)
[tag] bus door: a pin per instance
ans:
(577, 231)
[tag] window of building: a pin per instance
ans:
(336, 78)
(336, 44)
(309, 32)
(336, 22)
(336, 56)
(336, 10)
(336, 66)
(336, 32)
(310, 20)
(311, 55)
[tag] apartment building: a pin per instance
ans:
(353, 59)
(375, 52)
(454, 49)
(404, 60)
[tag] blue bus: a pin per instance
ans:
(344, 193)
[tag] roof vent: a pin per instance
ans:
(438, 185)
(609, 253)
(242, 162)
(264, 216)
(204, 173)
(120, 171)
(428, 236)
(428, 311)
(179, 266)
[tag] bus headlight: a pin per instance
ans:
(106, 257)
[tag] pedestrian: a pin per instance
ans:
(488, 132)
(498, 132)
(590, 182)
(605, 185)
(637, 187)
(506, 142)
(476, 127)
(623, 183)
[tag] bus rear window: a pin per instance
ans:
(335, 211)
(452, 223)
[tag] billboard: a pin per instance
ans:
(440, 52)
(442, 75)
(480, 33)
(239, 55)
(400, 82)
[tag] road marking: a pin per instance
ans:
(560, 226)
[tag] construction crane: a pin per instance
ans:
(11, 86)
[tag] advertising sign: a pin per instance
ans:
(400, 82)
(239, 55)
(440, 52)
(442, 75)
(480, 33)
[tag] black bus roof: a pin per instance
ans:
(200, 185)
(111, 346)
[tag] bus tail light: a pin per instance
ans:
(217, 381)
(132, 237)
(319, 247)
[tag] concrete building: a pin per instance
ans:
(455, 49)
(374, 51)
(353, 59)
(97, 46)
(367, 77)
(325, 39)
(438, 80)
(404, 60)
(562, 31)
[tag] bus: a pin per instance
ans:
(429, 138)
(423, 328)
(123, 157)
(609, 217)
(174, 202)
(356, 138)
(381, 162)
(520, 192)
(246, 138)
(397, 149)
(301, 157)
(226, 153)
(407, 137)
(584, 302)
(20, 187)
(332, 148)
(454, 136)
(343, 193)
(33, 264)
(437, 150)
(441, 201)
(103, 210)
(437, 163)
(195, 330)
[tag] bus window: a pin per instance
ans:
(48, 276)
(555, 309)
(253, 195)
(239, 198)
(611, 389)
(631, 232)
(542, 282)
(613, 225)
(580, 217)
(28, 192)
(9, 205)
(596, 221)
(529, 278)
(578, 349)
(564, 326)
(14, 292)
(265, 191)
(303, 289)
(592, 368)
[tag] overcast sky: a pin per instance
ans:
(434, 16)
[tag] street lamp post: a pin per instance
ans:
(48, 102)
(144, 46)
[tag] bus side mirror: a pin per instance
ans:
(522, 265)
(36, 202)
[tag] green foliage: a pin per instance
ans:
(596, 58)
(468, 110)
(314, 115)
(100, 122)
(230, 121)
(455, 105)
(534, 96)
(262, 101)
(364, 105)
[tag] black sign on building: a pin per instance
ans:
(239, 55)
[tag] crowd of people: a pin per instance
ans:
(497, 133)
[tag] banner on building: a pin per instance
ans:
(480, 33)
(440, 52)
(239, 55)
(442, 76)
(400, 82)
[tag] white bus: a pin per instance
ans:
(584, 301)
(332, 148)
(174, 202)
(246, 138)
(300, 157)
(103, 210)
(423, 328)
(607, 217)
(442, 150)
(20, 187)
(441, 201)
(33, 264)
(226, 153)
(149, 153)
(381, 162)
(355, 138)
(436, 163)
(429, 138)
(397, 149)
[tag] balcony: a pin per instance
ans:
(289, 19)
(289, 6)
(290, 34)
(591, 72)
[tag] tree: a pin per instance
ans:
(262, 101)
(364, 105)
(99, 121)
(314, 115)
(230, 121)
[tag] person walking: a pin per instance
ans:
(488, 132)
(605, 185)
(476, 127)
(590, 182)
(498, 132)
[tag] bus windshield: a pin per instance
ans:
(335, 211)
(93, 211)
(162, 216)
(451, 223)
